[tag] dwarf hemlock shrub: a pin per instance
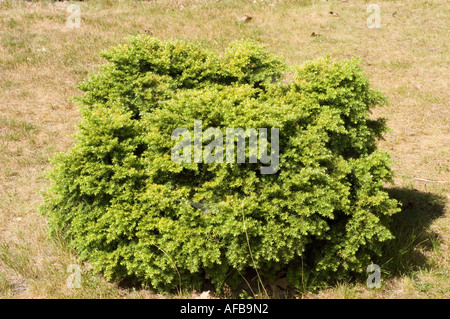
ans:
(125, 206)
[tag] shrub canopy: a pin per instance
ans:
(126, 207)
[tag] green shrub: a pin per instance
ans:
(127, 208)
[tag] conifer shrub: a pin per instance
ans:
(124, 205)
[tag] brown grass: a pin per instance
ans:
(407, 59)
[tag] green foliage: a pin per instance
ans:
(125, 206)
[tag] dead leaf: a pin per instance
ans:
(245, 18)
(203, 295)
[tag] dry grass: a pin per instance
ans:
(407, 58)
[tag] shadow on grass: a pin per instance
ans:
(411, 228)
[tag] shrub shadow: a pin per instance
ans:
(411, 228)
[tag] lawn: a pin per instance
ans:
(42, 58)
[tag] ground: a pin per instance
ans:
(407, 58)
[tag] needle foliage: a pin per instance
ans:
(127, 208)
